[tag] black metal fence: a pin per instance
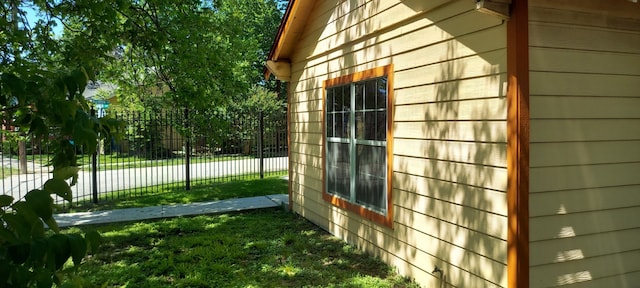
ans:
(158, 151)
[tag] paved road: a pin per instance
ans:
(113, 180)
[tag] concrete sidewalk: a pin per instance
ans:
(168, 211)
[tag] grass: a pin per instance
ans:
(260, 248)
(6, 172)
(114, 161)
(175, 194)
(119, 161)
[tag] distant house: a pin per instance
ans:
(101, 94)
(489, 144)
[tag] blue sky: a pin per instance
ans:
(33, 16)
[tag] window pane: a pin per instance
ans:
(381, 126)
(341, 98)
(360, 126)
(359, 95)
(370, 94)
(346, 98)
(371, 125)
(330, 125)
(370, 177)
(330, 100)
(341, 125)
(338, 169)
(381, 96)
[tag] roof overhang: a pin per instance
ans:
(290, 30)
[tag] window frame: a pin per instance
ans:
(367, 213)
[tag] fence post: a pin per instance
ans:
(187, 152)
(94, 169)
(261, 144)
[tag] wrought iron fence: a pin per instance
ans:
(157, 151)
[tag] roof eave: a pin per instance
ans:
(291, 26)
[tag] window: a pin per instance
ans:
(356, 131)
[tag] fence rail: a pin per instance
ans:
(158, 151)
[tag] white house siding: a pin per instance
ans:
(585, 145)
(449, 180)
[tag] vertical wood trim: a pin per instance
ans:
(518, 145)
(390, 119)
(289, 131)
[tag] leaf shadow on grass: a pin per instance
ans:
(260, 248)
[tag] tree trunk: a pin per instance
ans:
(22, 156)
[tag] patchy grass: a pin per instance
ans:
(261, 248)
(8, 172)
(115, 161)
(175, 194)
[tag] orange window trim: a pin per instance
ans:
(387, 219)
(518, 146)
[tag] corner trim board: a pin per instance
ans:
(518, 131)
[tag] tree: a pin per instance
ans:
(41, 81)
(200, 56)
(193, 54)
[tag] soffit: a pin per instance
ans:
(291, 28)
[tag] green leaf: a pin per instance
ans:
(19, 225)
(58, 187)
(6, 236)
(44, 279)
(18, 253)
(78, 248)
(94, 240)
(12, 83)
(71, 85)
(89, 72)
(53, 225)
(59, 251)
(5, 200)
(87, 137)
(40, 202)
(38, 128)
(80, 78)
(37, 229)
(38, 251)
(25, 210)
(5, 272)
(65, 173)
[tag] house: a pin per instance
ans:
(470, 143)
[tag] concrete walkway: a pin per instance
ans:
(168, 211)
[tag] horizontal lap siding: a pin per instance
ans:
(450, 132)
(585, 149)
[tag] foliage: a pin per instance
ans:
(29, 255)
(192, 54)
(196, 54)
(41, 82)
(203, 56)
(262, 248)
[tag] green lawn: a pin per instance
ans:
(118, 161)
(6, 172)
(219, 189)
(114, 161)
(261, 248)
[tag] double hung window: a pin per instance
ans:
(356, 142)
